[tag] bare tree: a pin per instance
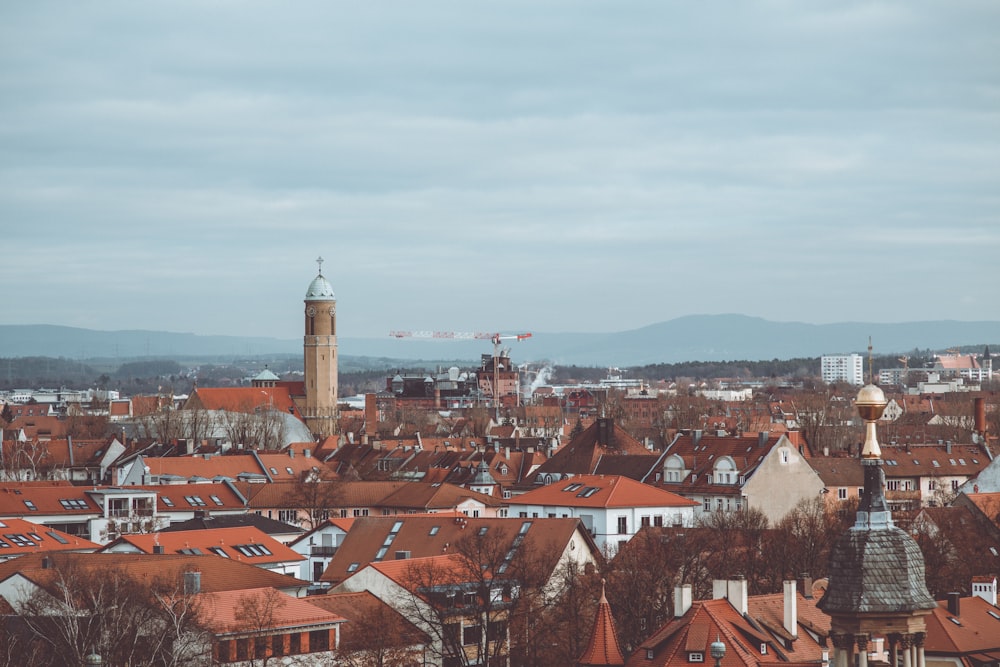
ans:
(108, 612)
(313, 495)
(256, 615)
(380, 637)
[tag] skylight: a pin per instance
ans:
(167, 501)
(30, 505)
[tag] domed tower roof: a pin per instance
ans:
(320, 288)
(875, 567)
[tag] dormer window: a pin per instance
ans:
(696, 656)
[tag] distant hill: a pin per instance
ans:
(691, 338)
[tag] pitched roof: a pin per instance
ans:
(601, 491)
(223, 611)
(362, 608)
(19, 537)
(581, 454)
(974, 629)
(251, 520)
(276, 467)
(435, 534)
(246, 544)
(244, 399)
(38, 500)
(841, 471)
(217, 574)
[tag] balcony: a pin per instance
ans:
(322, 551)
(129, 513)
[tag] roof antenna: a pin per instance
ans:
(871, 370)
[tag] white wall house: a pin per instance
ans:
(612, 508)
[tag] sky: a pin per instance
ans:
(497, 166)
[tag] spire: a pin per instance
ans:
(603, 648)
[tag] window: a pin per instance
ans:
(73, 503)
(649, 654)
(19, 540)
(278, 645)
(319, 640)
(707, 504)
(471, 635)
(696, 657)
(30, 505)
(931, 485)
(352, 567)
(622, 525)
(954, 485)
(361, 512)
(219, 551)
(644, 521)
(195, 501)
(434, 530)
(166, 501)
(841, 494)
(216, 500)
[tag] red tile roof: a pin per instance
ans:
(19, 537)
(976, 628)
(244, 399)
(225, 612)
(217, 574)
(246, 544)
(601, 491)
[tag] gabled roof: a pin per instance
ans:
(34, 500)
(362, 607)
(419, 496)
(244, 399)
(976, 628)
(217, 574)
(220, 611)
(19, 537)
(251, 520)
(249, 545)
(435, 534)
(581, 454)
(605, 491)
(840, 471)
(276, 467)
(922, 460)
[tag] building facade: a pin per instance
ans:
(848, 368)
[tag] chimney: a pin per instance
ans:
(954, 604)
(371, 416)
(718, 589)
(682, 600)
(791, 608)
(192, 583)
(979, 414)
(603, 431)
(762, 438)
(947, 447)
(806, 583)
(737, 594)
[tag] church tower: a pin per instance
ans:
(319, 350)
(877, 586)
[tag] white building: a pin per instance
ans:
(848, 368)
(612, 508)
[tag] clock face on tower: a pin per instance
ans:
(333, 311)
(311, 311)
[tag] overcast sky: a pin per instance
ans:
(497, 166)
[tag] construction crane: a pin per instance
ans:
(463, 335)
(496, 338)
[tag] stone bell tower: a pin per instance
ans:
(319, 351)
(877, 585)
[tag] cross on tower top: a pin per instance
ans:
(319, 263)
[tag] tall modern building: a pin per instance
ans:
(319, 351)
(843, 368)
